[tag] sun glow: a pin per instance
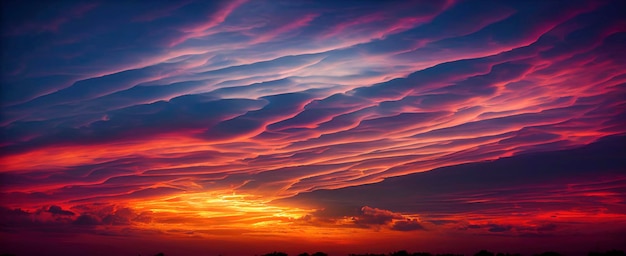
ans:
(220, 209)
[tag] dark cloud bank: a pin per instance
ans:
(558, 180)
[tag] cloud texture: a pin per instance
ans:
(190, 106)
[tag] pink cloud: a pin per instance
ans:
(198, 29)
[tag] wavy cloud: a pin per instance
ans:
(171, 106)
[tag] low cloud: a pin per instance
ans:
(87, 220)
(499, 228)
(62, 220)
(126, 216)
(57, 210)
(522, 229)
(375, 216)
(407, 225)
(364, 217)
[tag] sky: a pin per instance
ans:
(245, 127)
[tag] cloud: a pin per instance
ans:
(483, 191)
(407, 225)
(14, 217)
(57, 210)
(375, 216)
(498, 228)
(126, 216)
(527, 229)
(135, 121)
(323, 105)
(52, 219)
(86, 220)
(55, 219)
(350, 216)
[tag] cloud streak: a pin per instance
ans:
(257, 101)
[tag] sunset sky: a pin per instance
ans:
(246, 127)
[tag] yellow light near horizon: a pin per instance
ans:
(220, 209)
(231, 216)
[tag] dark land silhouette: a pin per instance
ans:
(406, 253)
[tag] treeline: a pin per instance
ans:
(488, 253)
(481, 253)
(405, 253)
(301, 254)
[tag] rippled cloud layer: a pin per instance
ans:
(160, 116)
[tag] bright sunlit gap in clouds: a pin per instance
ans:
(243, 127)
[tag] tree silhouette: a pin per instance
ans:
(400, 253)
(406, 253)
(275, 254)
(484, 253)
(549, 254)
